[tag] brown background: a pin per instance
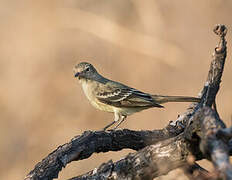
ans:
(161, 47)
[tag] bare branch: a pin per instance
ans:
(217, 66)
(82, 147)
(150, 162)
(215, 149)
(162, 157)
(164, 149)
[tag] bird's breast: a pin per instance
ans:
(89, 91)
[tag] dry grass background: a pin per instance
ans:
(161, 47)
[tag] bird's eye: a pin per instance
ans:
(87, 69)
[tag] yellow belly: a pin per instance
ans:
(94, 101)
(103, 107)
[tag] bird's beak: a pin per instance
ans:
(77, 74)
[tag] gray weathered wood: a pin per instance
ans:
(198, 132)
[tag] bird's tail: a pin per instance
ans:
(164, 99)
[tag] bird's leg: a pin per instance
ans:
(116, 118)
(123, 117)
(104, 129)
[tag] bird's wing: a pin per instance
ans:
(119, 95)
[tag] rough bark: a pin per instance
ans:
(198, 133)
(160, 158)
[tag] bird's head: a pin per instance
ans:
(84, 70)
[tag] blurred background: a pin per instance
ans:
(161, 47)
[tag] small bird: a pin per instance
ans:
(117, 98)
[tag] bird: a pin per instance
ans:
(122, 100)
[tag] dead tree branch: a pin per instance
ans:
(160, 158)
(199, 132)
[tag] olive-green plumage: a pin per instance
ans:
(115, 97)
